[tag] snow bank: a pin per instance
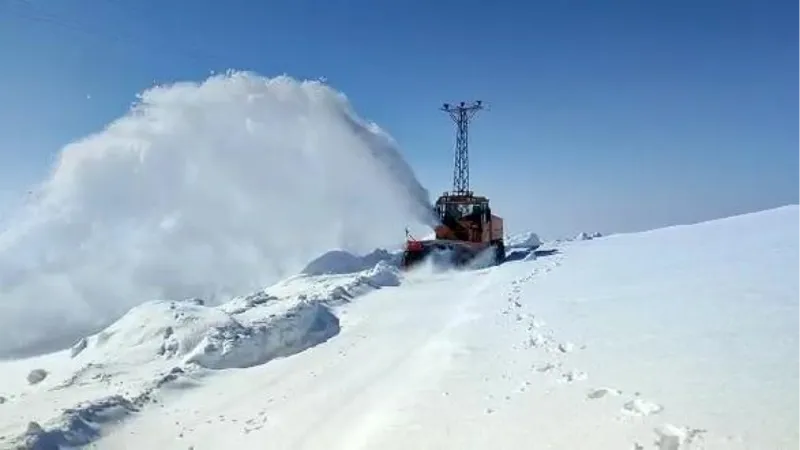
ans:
(340, 262)
(118, 371)
(190, 332)
(207, 190)
(382, 275)
(529, 240)
(237, 345)
(336, 290)
(155, 329)
(77, 426)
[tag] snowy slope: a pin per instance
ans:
(679, 338)
(158, 344)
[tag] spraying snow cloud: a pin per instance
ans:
(203, 189)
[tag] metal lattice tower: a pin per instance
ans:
(461, 115)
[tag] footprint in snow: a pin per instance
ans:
(671, 437)
(640, 407)
(574, 375)
(538, 340)
(594, 394)
(535, 323)
(566, 347)
(546, 368)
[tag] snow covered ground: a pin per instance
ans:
(679, 338)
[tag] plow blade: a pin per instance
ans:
(449, 253)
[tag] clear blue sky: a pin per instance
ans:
(614, 116)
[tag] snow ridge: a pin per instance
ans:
(237, 346)
(176, 342)
(78, 426)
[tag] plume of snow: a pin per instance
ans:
(207, 189)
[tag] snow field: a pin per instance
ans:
(696, 325)
(621, 342)
(683, 338)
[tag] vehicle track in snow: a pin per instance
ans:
(465, 350)
(393, 346)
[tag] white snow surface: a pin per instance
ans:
(163, 344)
(208, 190)
(341, 261)
(529, 240)
(583, 236)
(679, 338)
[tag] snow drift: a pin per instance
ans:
(341, 262)
(206, 190)
(170, 345)
(529, 240)
(209, 336)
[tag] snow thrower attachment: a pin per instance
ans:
(466, 230)
(466, 227)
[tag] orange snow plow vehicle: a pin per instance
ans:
(467, 229)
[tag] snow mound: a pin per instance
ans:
(239, 346)
(528, 240)
(341, 262)
(382, 275)
(333, 290)
(77, 426)
(246, 331)
(159, 344)
(155, 329)
(209, 336)
(203, 189)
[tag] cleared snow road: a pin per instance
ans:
(385, 370)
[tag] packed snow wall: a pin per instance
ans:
(201, 190)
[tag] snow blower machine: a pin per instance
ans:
(467, 228)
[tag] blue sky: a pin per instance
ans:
(611, 116)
